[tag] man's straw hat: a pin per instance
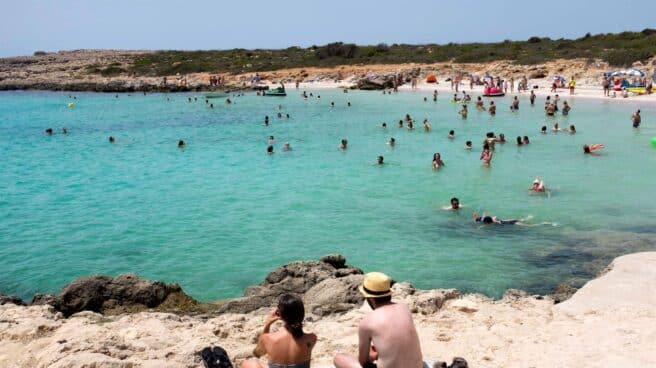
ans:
(376, 285)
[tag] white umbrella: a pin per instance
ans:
(634, 73)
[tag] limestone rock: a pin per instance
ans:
(334, 295)
(6, 299)
(465, 305)
(429, 302)
(295, 278)
(101, 293)
(563, 292)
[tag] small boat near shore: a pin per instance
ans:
(280, 91)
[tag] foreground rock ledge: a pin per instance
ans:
(611, 321)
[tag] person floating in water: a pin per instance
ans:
(381, 160)
(494, 220)
(344, 144)
(392, 142)
(452, 134)
(572, 129)
(636, 119)
(544, 129)
(454, 206)
(270, 150)
(181, 144)
(468, 145)
(384, 125)
(591, 148)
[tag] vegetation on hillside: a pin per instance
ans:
(619, 50)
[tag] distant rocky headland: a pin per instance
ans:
(160, 71)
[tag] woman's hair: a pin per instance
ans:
(292, 313)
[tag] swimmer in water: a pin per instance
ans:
(572, 129)
(381, 160)
(49, 131)
(486, 155)
(566, 108)
(384, 125)
(400, 123)
(181, 144)
(279, 115)
(111, 139)
(538, 185)
(455, 98)
(492, 109)
(343, 144)
(455, 205)
(266, 120)
(411, 126)
(591, 148)
(271, 139)
(544, 129)
(427, 126)
(64, 130)
(437, 161)
(270, 150)
(636, 119)
(407, 117)
(479, 104)
(463, 112)
(286, 146)
(526, 141)
(452, 134)
(228, 101)
(468, 145)
(332, 104)
(519, 141)
(502, 138)
(494, 220)
(392, 142)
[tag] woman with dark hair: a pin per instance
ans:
(289, 347)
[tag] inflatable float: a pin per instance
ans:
(493, 92)
(431, 78)
(280, 91)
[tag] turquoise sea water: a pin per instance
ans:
(220, 214)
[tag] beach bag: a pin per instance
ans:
(215, 357)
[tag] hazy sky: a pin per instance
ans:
(30, 25)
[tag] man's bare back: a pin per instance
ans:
(393, 335)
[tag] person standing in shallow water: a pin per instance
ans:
(636, 119)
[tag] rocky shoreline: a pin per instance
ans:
(109, 71)
(128, 322)
(328, 286)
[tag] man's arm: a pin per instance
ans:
(364, 337)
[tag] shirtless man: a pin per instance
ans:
(387, 335)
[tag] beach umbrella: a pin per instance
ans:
(616, 73)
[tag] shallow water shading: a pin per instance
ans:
(221, 213)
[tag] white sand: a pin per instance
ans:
(610, 322)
